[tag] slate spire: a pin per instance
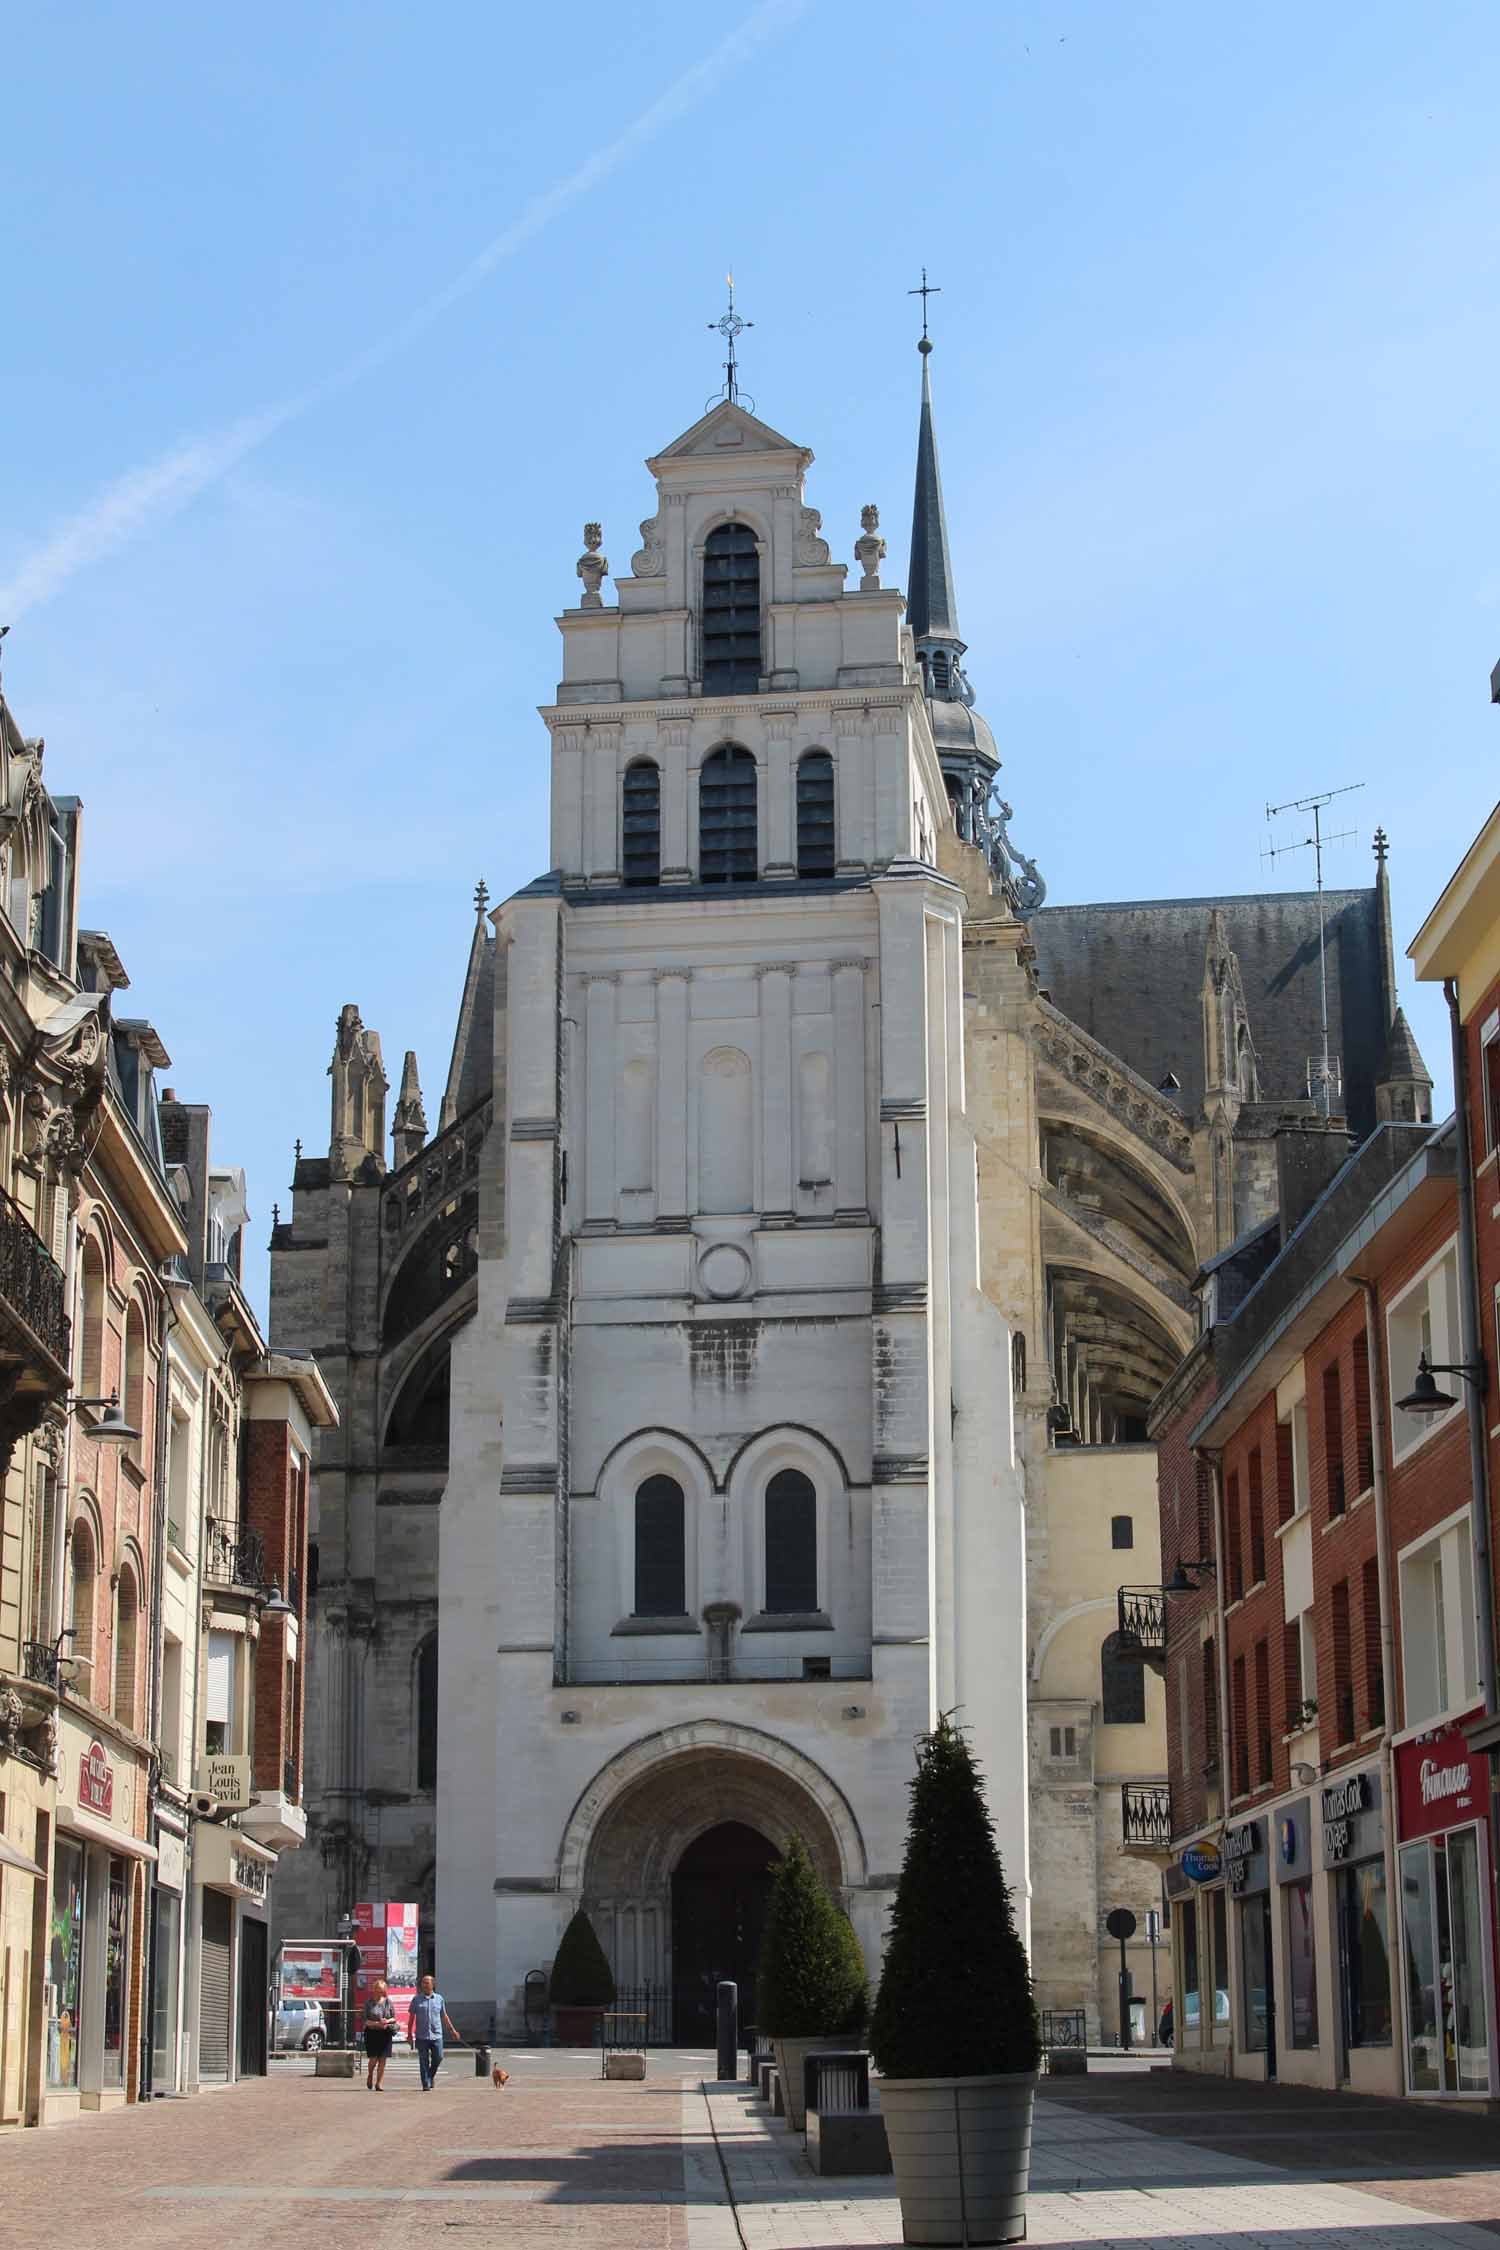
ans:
(932, 610)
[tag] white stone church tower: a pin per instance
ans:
(710, 1558)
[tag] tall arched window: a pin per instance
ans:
(815, 838)
(791, 1544)
(427, 1712)
(660, 1549)
(731, 611)
(127, 1613)
(133, 1377)
(641, 840)
(82, 1587)
(91, 1309)
(728, 839)
(1122, 1683)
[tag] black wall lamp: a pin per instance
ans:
(111, 1426)
(1180, 1583)
(1424, 1397)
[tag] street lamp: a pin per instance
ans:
(1424, 1397)
(111, 1427)
(1180, 1583)
(276, 1604)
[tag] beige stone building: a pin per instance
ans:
(1122, 1074)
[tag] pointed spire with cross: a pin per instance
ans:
(927, 290)
(731, 327)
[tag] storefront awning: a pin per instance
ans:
(10, 1857)
(78, 1823)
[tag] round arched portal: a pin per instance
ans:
(670, 1851)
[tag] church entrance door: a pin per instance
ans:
(719, 1895)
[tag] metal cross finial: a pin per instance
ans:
(731, 327)
(275, 1215)
(927, 290)
(481, 895)
(297, 1150)
(1381, 846)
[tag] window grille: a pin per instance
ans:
(815, 835)
(660, 1557)
(728, 846)
(642, 823)
(731, 611)
(791, 1544)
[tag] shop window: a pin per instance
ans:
(641, 842)
(728, 821)
(1220, 1908)
(791, 1544)
(1192, 2000)
(427, 1713)
(1121, 1531)
(1255, 1970)
(660, 1549)
(64, 1985)
(1122, 1683)
(1364, 1953)
(116, 1970)
(1443, 1908)
(815, 829)
(1302, 1971)
(731, 611)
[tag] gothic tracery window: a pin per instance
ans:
(731, 611)
(815, 830)
(728, 827)
(660, 1549)
(791, 1544)
(641, 836)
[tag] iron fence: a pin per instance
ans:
(649, 2008)
(1143, 1620)
(1146, 1813)
(31, 1282)
(232, 1554)
(42, 1663)
(1064, 2027)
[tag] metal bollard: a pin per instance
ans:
(481, 2062)
(729, 2032)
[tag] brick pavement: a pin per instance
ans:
(559, 2161)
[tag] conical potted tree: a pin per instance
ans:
(954, 2029)
(582, 1986)
(810, 1990)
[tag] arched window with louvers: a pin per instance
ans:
(731, 611)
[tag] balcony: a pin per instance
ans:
(1146, 1816)
(1143, 1624)
(233, 1555)
(33, 1319)
(42, 1662)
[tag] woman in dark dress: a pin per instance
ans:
(380, 2031)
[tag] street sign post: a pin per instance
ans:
(1121, 1925)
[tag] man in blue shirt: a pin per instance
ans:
(424, 2029)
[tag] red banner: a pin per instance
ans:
(1438, 1783)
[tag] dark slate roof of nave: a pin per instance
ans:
(1131, 975)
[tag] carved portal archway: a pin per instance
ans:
(644, 1811)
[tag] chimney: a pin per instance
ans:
(1309, 1150)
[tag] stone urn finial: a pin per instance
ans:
(869, 549)
(592, 566)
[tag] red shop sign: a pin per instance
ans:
(1437, 1785)
(96, 1781)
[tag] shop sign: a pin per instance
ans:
(1436, 1784)
(96, 1781)
(1341, 1806)
(249, 1875)
(1240, 1848)
(1293, 1843)
(171, 1859)
(226, 1779)
(1201, 1863)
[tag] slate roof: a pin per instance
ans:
(1131, 975)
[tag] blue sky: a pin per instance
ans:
(328, 326)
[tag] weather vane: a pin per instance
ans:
(731, 328)
(924, 293)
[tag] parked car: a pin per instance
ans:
(300, 2024)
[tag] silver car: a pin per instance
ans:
(300, 2024)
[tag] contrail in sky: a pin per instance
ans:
(137, 500)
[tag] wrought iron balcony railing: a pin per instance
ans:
(31, 1282)
(41, 1661)
(1146, 1813)
(233, 1555)
(1143, 1621)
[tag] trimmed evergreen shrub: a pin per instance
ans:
(581, 1976)
(955, 1997)
(811, 1981)
(859, 2006)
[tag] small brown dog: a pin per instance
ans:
(501, 2077)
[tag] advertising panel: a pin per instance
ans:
(310, 1972)
(386, 1935)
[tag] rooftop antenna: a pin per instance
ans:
(1316, 843)
(731, 327)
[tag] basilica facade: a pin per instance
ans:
(754, 1361)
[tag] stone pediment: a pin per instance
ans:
(727, 432)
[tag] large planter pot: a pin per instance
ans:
(576, 2027)
(961, 2153)
(790, 2056)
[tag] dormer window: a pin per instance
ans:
(728, 829)
(641, 848)
(731, 611)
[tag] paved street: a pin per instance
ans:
(557, 2159)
